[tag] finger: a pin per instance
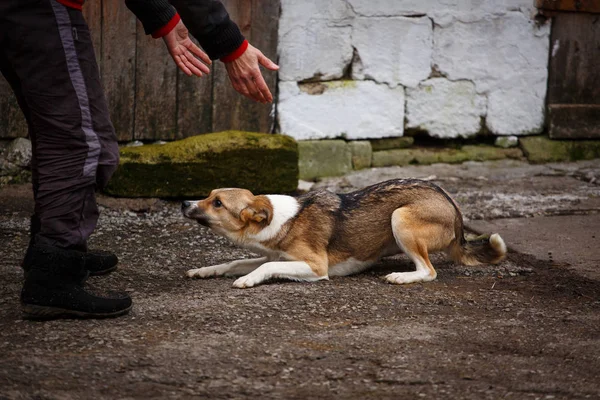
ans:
(187, 60)
(255, 94)
(199, 65)
(198, 52)
(192, 67)
(253, 89)
(265, 62)
(182, 65)
(262, 87)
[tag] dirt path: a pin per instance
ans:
(522, 329)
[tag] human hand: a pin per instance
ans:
(184, 52)
(246, 78)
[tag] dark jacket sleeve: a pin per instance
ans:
(153, 14)
(209, 23)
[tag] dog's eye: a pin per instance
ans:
(217, 203)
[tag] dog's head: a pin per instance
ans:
(231, 212)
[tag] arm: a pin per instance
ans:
(160, 19)
(221, 38)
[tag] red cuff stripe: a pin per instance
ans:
(72, 4)
(167, 28)
(237, 53)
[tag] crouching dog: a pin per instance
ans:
(322, 234)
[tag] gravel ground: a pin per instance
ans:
(522, 329)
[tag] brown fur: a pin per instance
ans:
(414, 216)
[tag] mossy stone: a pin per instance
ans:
(540, 149)
(192, 167)
(426, 156)
(392, 143)
(506, 141)
(362, 154)
(320, 158)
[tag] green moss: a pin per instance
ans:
(194, 166)
(319, 158)
(23, 176)
(343, 84)
(426, 156)
(540, 149)
(392, 143)
(189, 149)
(362, 154)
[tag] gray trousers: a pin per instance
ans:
(46, 55)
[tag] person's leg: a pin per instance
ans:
(97, 262)
(40, 48)
(47, 54)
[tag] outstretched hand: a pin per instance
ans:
(246, 78)
(185, 53)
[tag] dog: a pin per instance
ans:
(321, 234)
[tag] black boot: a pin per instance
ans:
(53, 288)
(98, 262)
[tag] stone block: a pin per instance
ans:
(506, 141)
(320, 158)
(540, 149)
(507, 59)
(445, 109)
(15, 157)
(396, 51)
(304, 54)
(519, 109)
(444, 11)
(425, 156)
(362, 153)
(348, 109)
(392, 143)
(192, 167)
(299, 13)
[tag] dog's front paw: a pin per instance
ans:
(245, 282)
(403, 278)
(204, 272)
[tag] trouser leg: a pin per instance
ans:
(49, 61)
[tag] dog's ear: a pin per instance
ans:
(260, 210)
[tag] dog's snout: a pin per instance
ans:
(186, 204)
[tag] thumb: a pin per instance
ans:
(265, 62)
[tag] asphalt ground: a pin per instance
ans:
(528, 327)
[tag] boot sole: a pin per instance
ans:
(46, 312)
(103, 272)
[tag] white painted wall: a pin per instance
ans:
(444, 66)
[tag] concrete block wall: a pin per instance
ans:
(366, 69)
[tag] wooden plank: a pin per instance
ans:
(92, 12)
(589, 6)
(12, 121)
(155, 91)
(264, 33)
(118, 65)
(574, 76)
(574, 121)
(229, 107)
(194, 104)
(259, 23)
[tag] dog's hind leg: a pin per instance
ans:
(233, 268)
(413, 236)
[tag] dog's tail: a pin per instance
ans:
(482, 250)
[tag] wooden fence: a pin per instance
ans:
(148, 97)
